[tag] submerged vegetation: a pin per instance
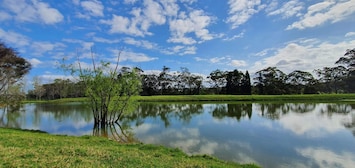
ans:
(36, 149)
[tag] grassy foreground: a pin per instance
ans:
(34, 149)
(220, 98)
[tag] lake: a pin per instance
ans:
(268, 134)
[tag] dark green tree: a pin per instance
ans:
(246, 84)
(234, 82)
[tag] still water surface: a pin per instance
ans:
(270, 135)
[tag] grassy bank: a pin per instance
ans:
(253, 98)
(34, 149)
(220, 98)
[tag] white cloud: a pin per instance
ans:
(35, 62)
(132, 56)
(322, 12)
(195, 22)
(140, 43)
(188, 1)
(94, 7)
(120, 24)
(305, 55)
(240, 35)
(129, 1)
(288, 9)
(152, 13)
(4, 16)
(180, 50)
(33, 11)
(42, 47)
(14, 38)
(326, 158)
(238, 63)
(349, 34)
(240, 11)
(108, 41)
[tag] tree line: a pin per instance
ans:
(268, 81)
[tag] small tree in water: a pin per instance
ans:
(109, 90)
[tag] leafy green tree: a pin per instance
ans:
(301, 82)
(349, 61)
(246, 84)
(149, 85)
(38, 90)
(333, 78)
(12, 69)
(270, 81)
(234, 81)
(164, 79)
(218, 80)
(109, 90)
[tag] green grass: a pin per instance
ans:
(221, 98)
(251, 98)
(36, 149)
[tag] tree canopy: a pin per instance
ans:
(12, 69)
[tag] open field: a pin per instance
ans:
(221, 98)
(34, 149)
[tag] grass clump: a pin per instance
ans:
(36, 149)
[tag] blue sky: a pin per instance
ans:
(202, 35)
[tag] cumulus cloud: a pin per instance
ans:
(305, 55)
(322, 12)
(195, 22)
(32, 11)
(240, 11)
(152, 13)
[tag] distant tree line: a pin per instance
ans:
(268, 81)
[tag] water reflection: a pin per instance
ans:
(115, 131)
(236, 111)
(165, 112)
(293, 134)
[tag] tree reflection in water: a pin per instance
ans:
(115, 131)
(233, 111)
(166, 112)
(9, 117)
(275, 110)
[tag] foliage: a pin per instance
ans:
(108, 89)
(12, 70)
(267, 81)
(270, 81)
(35, 149)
